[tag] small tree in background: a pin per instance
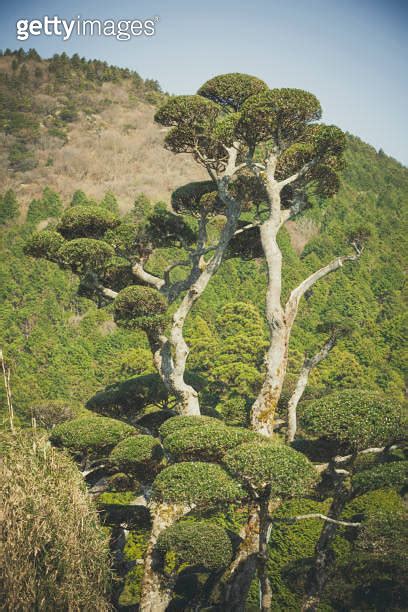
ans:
(8, 206)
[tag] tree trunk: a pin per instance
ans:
(324, 555)
(156, 593)
(264, 407)
(231, 591)
(308, 365)
(264, 525)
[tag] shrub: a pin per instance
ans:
(178, 422)
(393, 474)
(91, 435)
(49, 413)
(8, 206)
(196, 543)
(353, 419)
(54, 554)
(203, 484)
(84, 221)
(84, 254)
(206, 442)
(46, 243)
(136, 452)
(49, 205)
(260, 465)
(137, 306)
(130, 396)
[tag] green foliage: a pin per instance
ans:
(354, 419)
(261, 465)
(83, 254)
(8, 206)
(205, 442)
(393, 474)
(202, 484)
(127, 398)
(49, 205)
(132, 453)
(176, 423)
(280, 114)
(196, 543)
(137, 306)
(46, 244)
(231, 90)
(86, 222)
(90, 435)
(110, 202)
(188, 198)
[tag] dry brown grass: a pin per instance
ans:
(119, 149)
(54, 554)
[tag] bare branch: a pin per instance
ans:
(317, 515)
(246, 227)
(297, 175)
(109, 293)
(146, 277)
(297, 294)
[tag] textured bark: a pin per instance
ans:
(231, 591)
(156, 591)
(324, 555)
(308, 365)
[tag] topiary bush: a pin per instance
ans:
(203, 484)
(49, 413)
(353, 419)
(46, 243)
(85, 254)
(179, 422)
(394, 474)
(137, 306)
(136, 454)
(194, 543)
(90, 435)
(83, 221)
(205, 442)
(261, 465)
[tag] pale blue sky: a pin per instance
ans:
(351, 53)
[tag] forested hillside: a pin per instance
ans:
(71, 356)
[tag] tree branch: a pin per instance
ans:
(316, 515)
(146, 277)
(297, 175)
(297, 294)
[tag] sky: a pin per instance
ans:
(352, 54)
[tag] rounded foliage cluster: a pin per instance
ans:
(92, 435)
(189, 111)
(287, 472)
(196, 543)
(277, 113)
(193, 197)
(203, 484)
(205, 442)
(85, 254)
(138, 306)
(232, 89)
(131, 452)
(49, 413)
(117, 273)
(178, 422)
(46, 243)
(86, 221)
(354, 419)
(393, 474)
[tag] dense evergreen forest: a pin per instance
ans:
(176, 494)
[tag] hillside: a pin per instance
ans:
(79, 136)
(65, 122)
(49, 333)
